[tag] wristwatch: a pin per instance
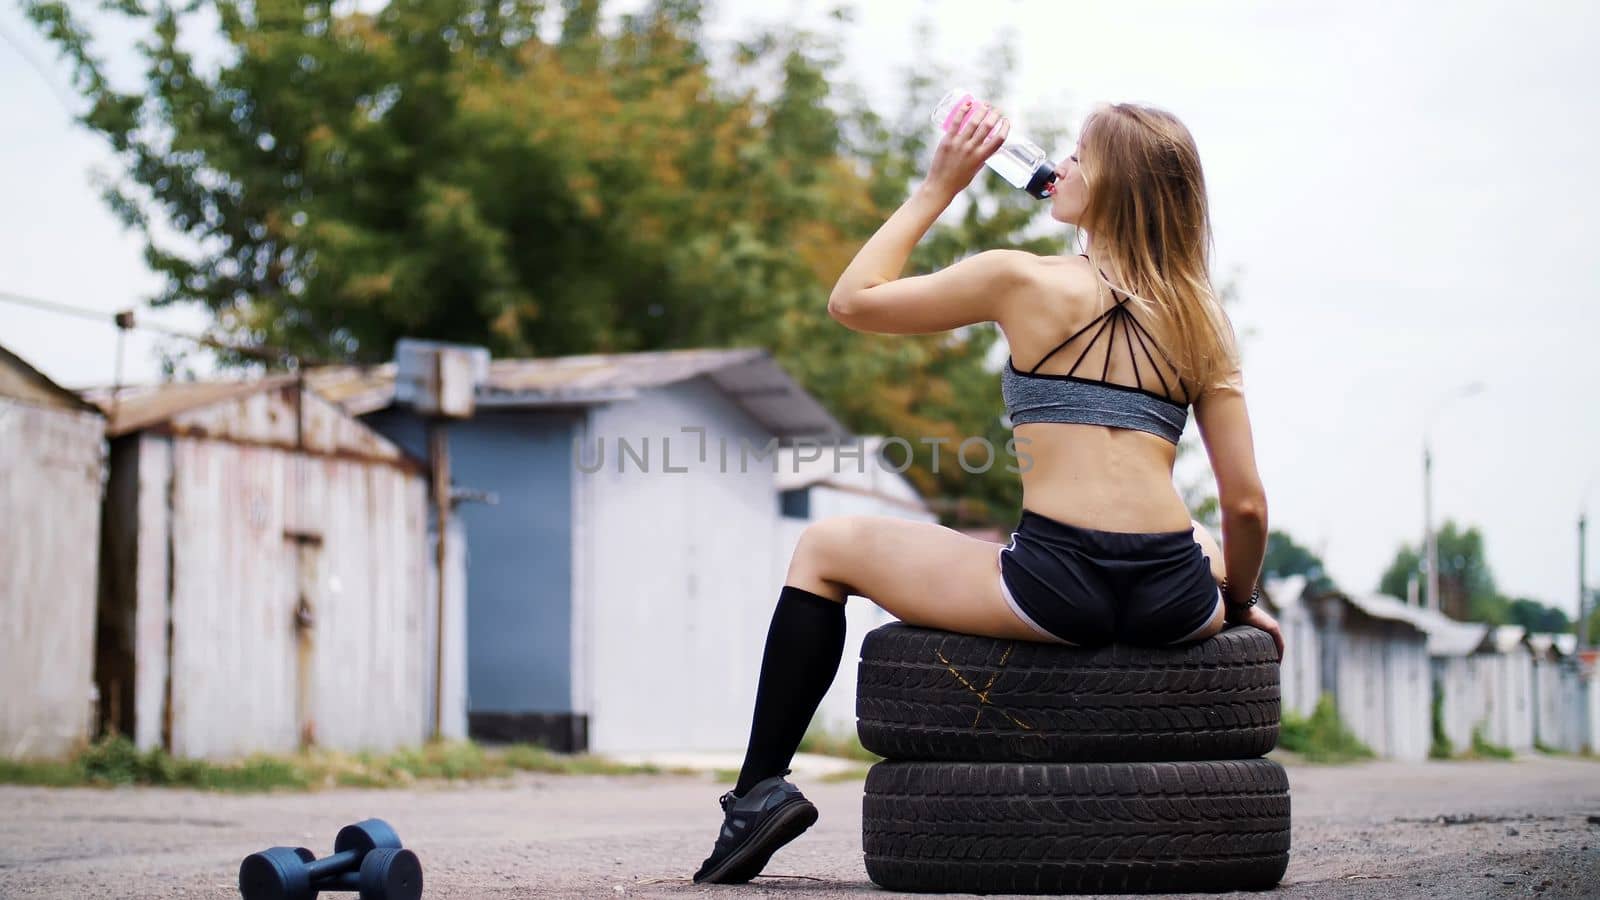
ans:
(1241, 605)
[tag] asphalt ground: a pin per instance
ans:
(1529, 827)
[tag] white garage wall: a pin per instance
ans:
(674, 584)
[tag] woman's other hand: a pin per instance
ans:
(963, 150)
(1256, 617)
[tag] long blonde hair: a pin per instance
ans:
(1150, 231)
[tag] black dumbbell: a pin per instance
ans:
(292, 873)
(386, 874)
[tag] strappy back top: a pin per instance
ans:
(1034, 396)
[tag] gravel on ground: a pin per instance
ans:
(1525, 828)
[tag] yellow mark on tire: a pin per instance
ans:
(983, 694)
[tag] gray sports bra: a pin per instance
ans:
(1033, 396)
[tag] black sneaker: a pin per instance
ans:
(769, 815)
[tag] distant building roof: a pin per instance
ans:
(1281, 594)
(750, 376)
(20, 381)
(1446, 636)
(1389, 609)
(1505, 638)
(1551, 646)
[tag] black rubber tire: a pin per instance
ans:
(1051, 828)
(926, 694)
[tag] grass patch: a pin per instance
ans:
(1557, 752)
(39, 773)
(533, 758)
(846, 746)
(116, 761)
(1441, 748)
(1322, 737)
(1483, 749)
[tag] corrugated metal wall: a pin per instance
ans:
(1300, 673)
(1488, 691)
(1510, 712)
(232, 601)
(51, 474)
(1383, 690)
(1385, 686)
(1411, 699)
(1589, 705)
(371, 657)
(294, 583)
(1464, 700)
(1555, 693)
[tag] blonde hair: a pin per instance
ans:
(1150, 231)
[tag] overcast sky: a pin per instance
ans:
(1404, 196)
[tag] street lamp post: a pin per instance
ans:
(1431, 551)
(1583, 587)
(1582, 628)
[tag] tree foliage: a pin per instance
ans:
(1467, 589)
(344, 177)
(1284, 558)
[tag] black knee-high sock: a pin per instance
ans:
(804, 645)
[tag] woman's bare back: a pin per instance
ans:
(1094, 476)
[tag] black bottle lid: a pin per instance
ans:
(1044, 175)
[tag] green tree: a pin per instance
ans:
(437, 168)
(1536, 616)
(1467, 589)
(444, 169)
(1285, 558)
(1466, 586)
(1396, 580)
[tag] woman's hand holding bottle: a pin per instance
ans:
(965, 147)
(971, 130)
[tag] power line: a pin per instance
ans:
(124, 320)
(38, 68)
(48, 306)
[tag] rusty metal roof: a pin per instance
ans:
(750, 376)
(357, 389)
(139, 406)
(264, 412)
(20, 381)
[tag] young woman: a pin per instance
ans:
(1109, 349)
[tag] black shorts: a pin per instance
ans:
(1091, 588)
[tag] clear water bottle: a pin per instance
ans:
(1021, 162)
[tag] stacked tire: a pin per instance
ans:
(1032, 768)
